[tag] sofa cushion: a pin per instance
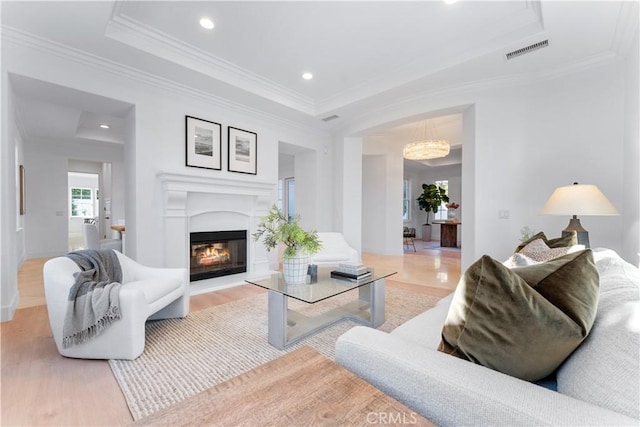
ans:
(605, 369)
(523, 321)
(559, 242)
(154, 289)
(425, 328)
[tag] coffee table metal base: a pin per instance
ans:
(287, 327)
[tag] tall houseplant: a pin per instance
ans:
(430, 200)
(275, 229)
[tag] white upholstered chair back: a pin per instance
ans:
(92, 240)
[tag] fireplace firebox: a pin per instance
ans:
(217, 253)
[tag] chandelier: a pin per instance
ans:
(425, 148)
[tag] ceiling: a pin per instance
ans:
(363, 54)
(51, 112)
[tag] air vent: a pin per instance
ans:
(328, 119)
(527, 49)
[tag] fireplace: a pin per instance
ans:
(217, 253)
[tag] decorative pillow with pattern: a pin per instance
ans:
(559, 242)
(538, 251)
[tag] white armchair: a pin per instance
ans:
(335, 250)
(92, 240)
(146, 293)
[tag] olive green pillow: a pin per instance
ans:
(523, 321)
(559, 242)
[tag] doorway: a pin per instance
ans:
(84, 196)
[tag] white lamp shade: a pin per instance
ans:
(578, 199)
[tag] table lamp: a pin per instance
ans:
(578, 199)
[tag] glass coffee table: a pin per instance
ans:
(287, 326)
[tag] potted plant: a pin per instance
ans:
(275, 229)
(430, 200)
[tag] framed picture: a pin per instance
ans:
(243, 154)
(203, 143)
(23, 208)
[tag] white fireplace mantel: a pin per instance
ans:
(189, 197)
(218, 185)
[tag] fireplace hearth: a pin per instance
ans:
(217, 253)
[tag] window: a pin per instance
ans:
(286, 196)
(290, 185)
(82, 202)
(442, 210)
(406, 200)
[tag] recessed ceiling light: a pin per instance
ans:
(103, 126)
(206, 23)
(307, 76)
(450, 1)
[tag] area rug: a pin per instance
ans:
(183, 357)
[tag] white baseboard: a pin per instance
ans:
(205, 290)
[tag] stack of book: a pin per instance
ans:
(351, 272)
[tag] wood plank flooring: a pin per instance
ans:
(41, 388)
(300, 388)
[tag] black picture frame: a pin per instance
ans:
(203, 143)
(242, 153)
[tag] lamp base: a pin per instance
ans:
(582, 235)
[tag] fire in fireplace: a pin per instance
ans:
(217, 253)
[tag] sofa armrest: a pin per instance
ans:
(451, 391)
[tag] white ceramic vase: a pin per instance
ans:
(451, 214)
(295, 269)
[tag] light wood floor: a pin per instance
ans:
(40, 387)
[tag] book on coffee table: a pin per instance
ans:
(336, 274)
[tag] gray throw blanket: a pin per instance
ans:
(93, 302)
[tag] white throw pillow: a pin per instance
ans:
(605, 369)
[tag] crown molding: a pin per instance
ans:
(68, 53)
(134, 33)
(354, 125)
(137, 34)
(593, 61)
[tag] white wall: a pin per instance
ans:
(347, 186)
(155, 143)
(47, 164)
(306, 189)
(11, 240)
(631, 202)
(387, 178)
(374, 201)
(413, 172)
(530, 139)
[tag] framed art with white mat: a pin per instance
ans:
(243, 155)
(203, 143)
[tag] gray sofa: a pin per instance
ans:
(597, 385)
